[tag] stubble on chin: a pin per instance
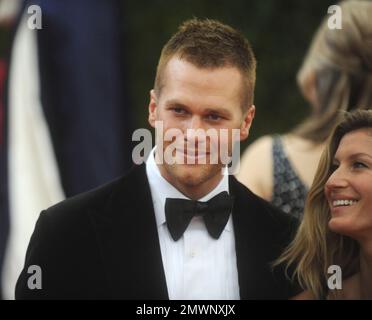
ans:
(193, 176)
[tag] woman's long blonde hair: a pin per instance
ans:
(315, 247)
(341, 60)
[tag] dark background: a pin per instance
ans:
(280, 32)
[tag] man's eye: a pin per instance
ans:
(213, 117)
(179, 111)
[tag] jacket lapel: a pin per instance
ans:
(252, 263)
(129, 242)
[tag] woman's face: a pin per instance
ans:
(349, 188)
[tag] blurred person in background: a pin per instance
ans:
(9, 10)
(67, 112)
(336, 75)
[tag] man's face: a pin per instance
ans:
(194, 98)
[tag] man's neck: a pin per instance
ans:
(196, 193)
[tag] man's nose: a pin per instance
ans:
(195, 123)
(193, 129)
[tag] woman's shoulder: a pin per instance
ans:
(259, 150)
(256, 167)
(262, 143)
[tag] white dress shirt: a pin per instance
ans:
(196, 266)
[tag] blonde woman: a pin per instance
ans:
(336, 75)
(336, 229)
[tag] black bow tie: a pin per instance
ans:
(215, 213)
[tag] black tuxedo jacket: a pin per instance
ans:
(104, 244)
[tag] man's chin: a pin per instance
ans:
(194, 174)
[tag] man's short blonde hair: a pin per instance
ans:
(211, 44)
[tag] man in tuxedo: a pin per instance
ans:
(177, 229)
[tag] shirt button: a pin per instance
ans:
(192, 254)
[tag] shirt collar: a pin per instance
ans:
(162, 189)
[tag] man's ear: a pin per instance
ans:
(247, 122)
(152, 108)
